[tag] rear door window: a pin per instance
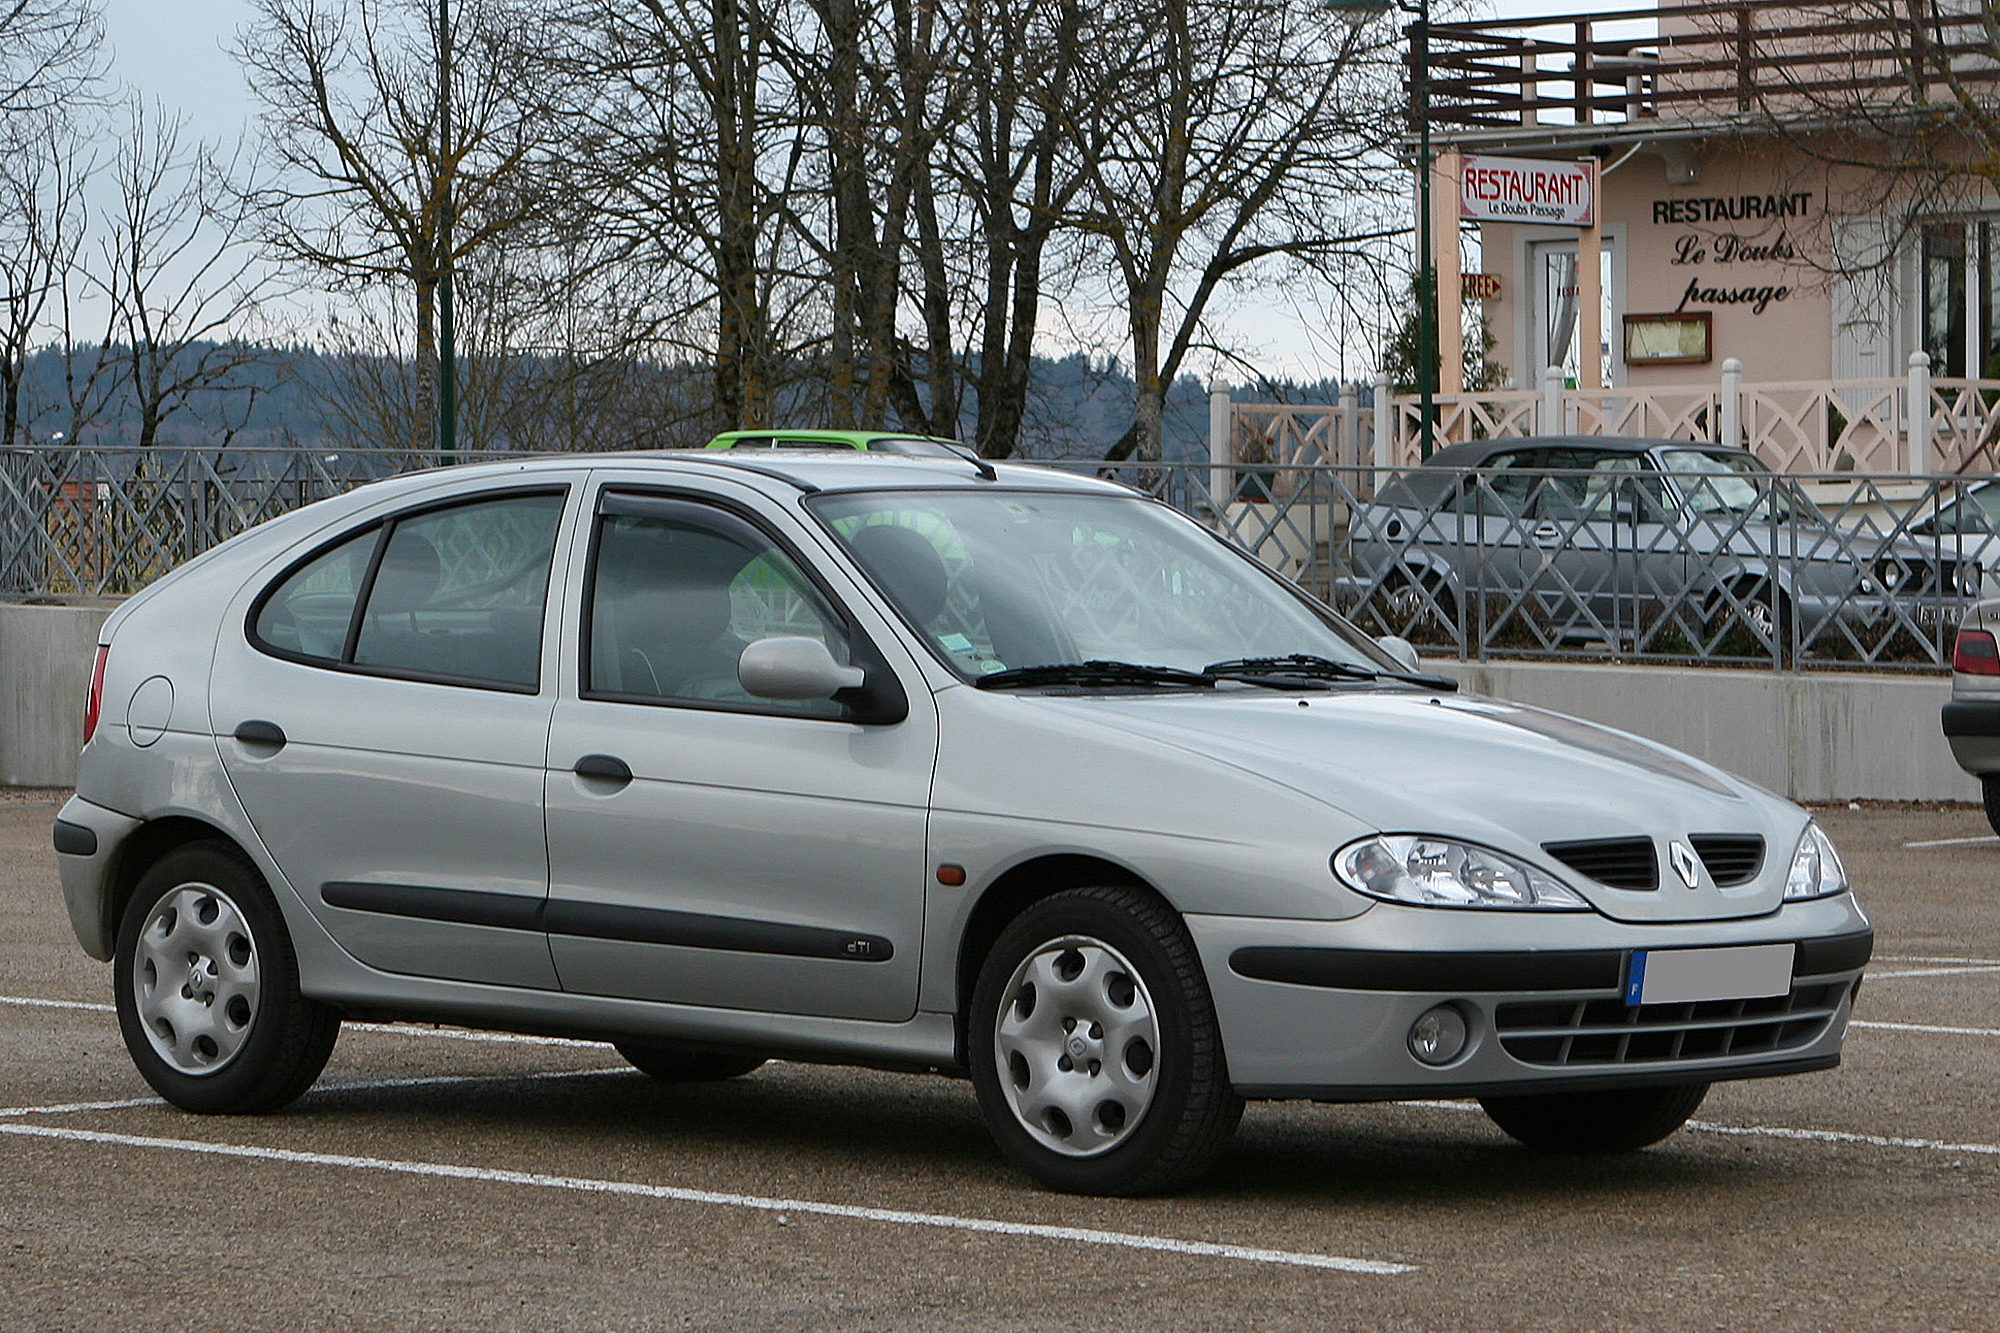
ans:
(454, 594)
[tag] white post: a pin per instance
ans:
(1919, 414)
(1552, 422)
(1731, 435)
(1385, 425)
(1221, 446)
(1350, 427)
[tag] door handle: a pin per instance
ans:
(603, 768)
(1548, 534)
(258, 733)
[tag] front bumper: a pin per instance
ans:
(1324, 1009)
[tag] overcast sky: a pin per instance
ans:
(179, 52)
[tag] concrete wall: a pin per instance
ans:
(45, 658)
(1812, 737)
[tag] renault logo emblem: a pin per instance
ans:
(1685, 864)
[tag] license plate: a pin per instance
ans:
(1930, 617)
(1682, 976)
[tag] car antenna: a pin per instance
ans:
(985, 469)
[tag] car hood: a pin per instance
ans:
(1496, 773)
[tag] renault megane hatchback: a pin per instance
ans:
(918, 763)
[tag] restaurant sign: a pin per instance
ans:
(1526, 189)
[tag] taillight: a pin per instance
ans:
(93, 707)
(1976, 653)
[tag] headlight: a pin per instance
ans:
(1816, 868)
(1438, 872)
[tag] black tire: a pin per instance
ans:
(1989, 787)
(222, 1028)
(1132, 965)
(677, 1064)
(1596, 1122)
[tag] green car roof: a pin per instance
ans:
(875, 441)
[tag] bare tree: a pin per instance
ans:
(180, 271)
(367, 188)
(48, 56)
(42, 218)
(1214, 135)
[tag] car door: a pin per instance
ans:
(707, 847)
(382, 707)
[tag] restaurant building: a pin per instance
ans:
(1776, 203)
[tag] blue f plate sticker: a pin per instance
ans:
(1690, 976)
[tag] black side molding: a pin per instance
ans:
(75, 839)
(603, 921)
(466, 907)
(698, 930)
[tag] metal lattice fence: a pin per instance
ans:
(1833, 571)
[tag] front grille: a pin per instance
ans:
(1570, 1033)
(1731, 859)
(1622, 863)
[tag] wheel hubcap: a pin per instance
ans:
(195, 979)
(1077, 1045)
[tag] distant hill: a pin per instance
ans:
(1079, 407)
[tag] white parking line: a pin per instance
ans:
(391, 1029)
(1935, 958)
(1924, 1027)
(713, 1198)
(1833, 1136)
(1953, 842)
(1934, 972)
(1781, 1132)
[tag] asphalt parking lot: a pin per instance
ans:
(452, 1180)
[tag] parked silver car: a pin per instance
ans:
(1638, 542)
(918, 763)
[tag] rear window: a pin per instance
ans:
(454, 594)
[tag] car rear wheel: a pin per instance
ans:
(677, 1064)
(207, 987)
(1622, 1120)
(1989, 787)
(1095, 1049)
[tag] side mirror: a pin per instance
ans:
(795, 668)
(1400, 650)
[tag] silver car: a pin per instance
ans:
(1655, 544)
(915, 763)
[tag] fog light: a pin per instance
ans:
(1438, 1036)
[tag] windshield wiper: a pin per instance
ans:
(1094, 672)
(1306, 666)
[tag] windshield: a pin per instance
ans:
(1000, 580)
(1732, 483)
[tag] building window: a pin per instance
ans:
(1961, 298)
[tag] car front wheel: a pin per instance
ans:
(207, 987)
(1622, 1120)
(1095, 1049)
